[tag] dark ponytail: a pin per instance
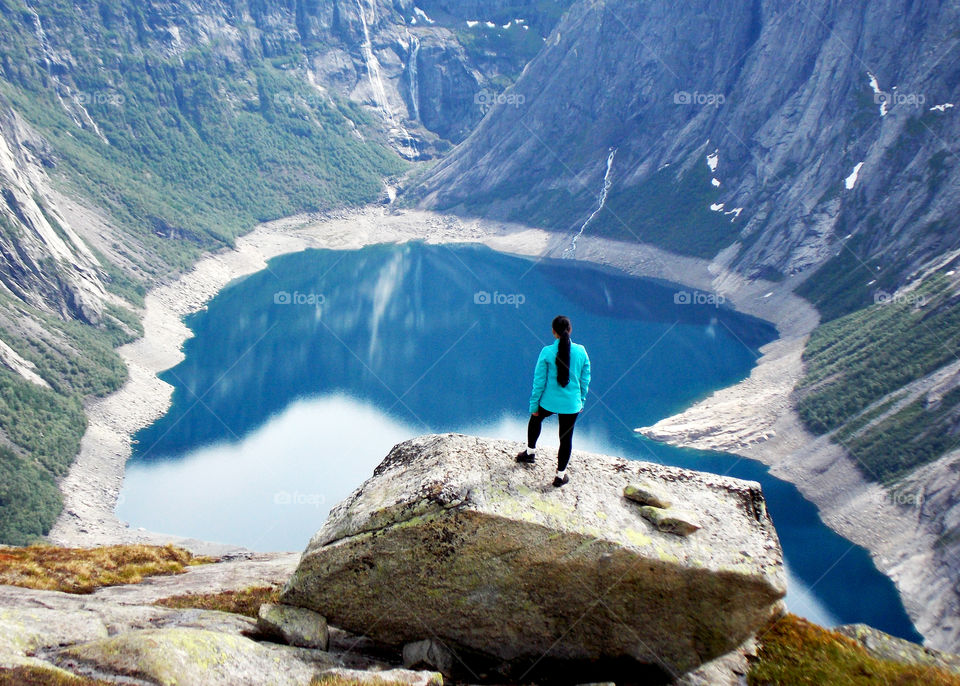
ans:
(562, 327)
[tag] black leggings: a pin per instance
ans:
(567, 422)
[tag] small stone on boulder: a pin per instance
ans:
(645, 493)
(297, 626)
(670, 521)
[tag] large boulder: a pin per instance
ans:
(454, 541)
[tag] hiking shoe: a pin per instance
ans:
(558, 482)
(526, 458)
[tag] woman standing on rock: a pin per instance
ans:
(560, 384)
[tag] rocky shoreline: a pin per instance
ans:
(754, 418)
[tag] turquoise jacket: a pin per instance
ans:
(550, 395)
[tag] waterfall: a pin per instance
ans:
(413, 76)
(601, 202)
(374, 75)
(373, 65)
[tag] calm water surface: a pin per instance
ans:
(301, 377)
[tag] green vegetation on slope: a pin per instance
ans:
(29, 498)
(190, 148)
(42, 427)
(846, 282)
(912, 437)
(670, 212)
(858, 359)
(197, 156)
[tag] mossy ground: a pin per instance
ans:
(83, 570)
(41, 676)
(245, 602)
(795, 652)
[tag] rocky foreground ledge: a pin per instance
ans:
(475, 564)
(451, 564)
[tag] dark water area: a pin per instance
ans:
(301, 377)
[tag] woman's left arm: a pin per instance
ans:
(539, 384)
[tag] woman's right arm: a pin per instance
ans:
(539, 383)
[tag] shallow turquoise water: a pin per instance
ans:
(302, 376)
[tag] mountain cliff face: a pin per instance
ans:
(790, 136)
(134, 136)
(44, 260)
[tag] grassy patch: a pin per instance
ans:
(794, 652)
(42, 676)
(83, 570)
(331, 680)
(246, 602)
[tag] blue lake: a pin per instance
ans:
(301, 377)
